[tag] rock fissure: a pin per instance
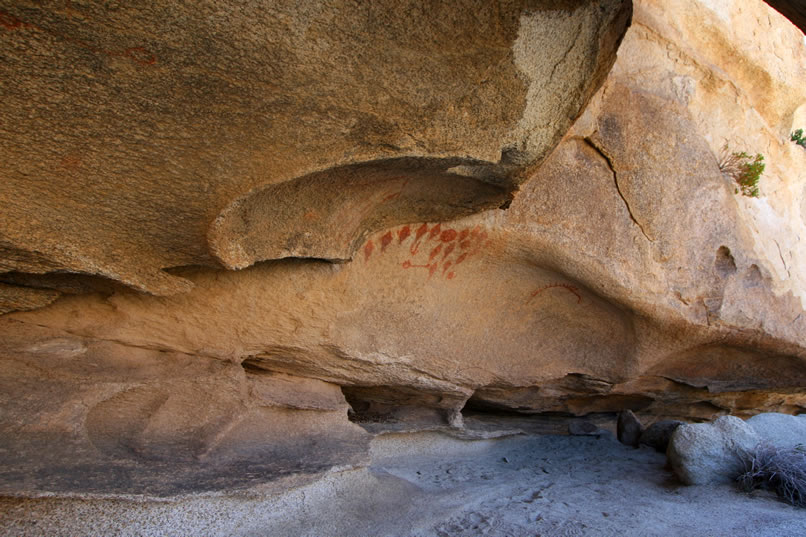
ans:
(781, 255)
(599, 150)
(571, 46)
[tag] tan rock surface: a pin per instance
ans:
(791, 9)
(91, 416)
(627, 273)
(139, 138)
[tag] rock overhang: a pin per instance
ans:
(610, 281)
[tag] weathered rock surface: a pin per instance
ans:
(629, 428)
(224, 133)
(709, 453)
(137, 139)
(781, 431)
(658, 434)
(583, 428)
(100, 417)
(624, 274)
(792, 10)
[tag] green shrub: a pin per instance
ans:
(797, 137)
(743, 169)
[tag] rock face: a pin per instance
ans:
(708, 453)
(340, 159)
(791, 9)
(225, 133)
(218, 135)
(130, 420)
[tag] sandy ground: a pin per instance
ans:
(432, 484)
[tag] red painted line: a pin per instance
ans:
(386, 240)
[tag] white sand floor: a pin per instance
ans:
(431, 484)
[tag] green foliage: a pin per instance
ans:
(744, 169)
(797, 137)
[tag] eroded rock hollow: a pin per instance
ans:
(236, 237)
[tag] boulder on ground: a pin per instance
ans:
(708, 453)
(629, 429)
(583, 428)
(782, 431)
(659, 433)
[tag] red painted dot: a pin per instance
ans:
(448, 250)
(448, 235)
(434, 252)
(463, 235)
(451, 275)
(368, 250)
(434, 232)
(422, 230)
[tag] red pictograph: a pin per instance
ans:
(403, 234)
(446, 248)
(421, 231)
(368, 248)
(386, 240)
(439, 251)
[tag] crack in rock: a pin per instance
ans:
(609, 162)
(781, 255)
